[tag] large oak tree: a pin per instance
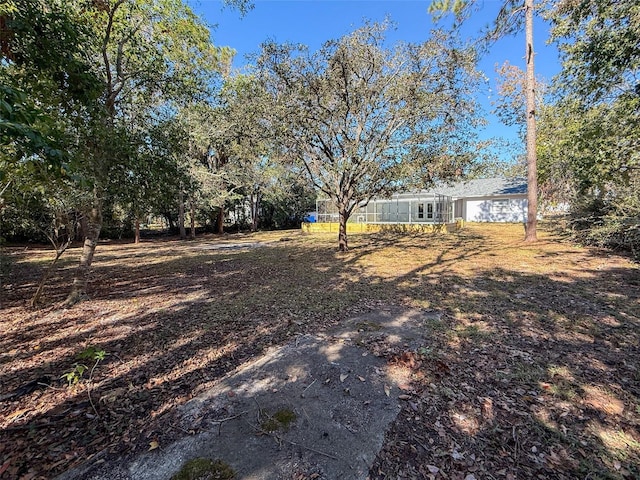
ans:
(366, 120)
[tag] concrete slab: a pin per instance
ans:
(343, 397)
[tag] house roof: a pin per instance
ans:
(483, 187)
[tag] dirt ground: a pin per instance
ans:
(337, 398)
(530, 371)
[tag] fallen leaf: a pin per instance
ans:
(343, 377)
(457, 455)
(112, 396)
(5, 466)
(387, 390)
(362, 379)
(404, 397)
(471, 476)
(153, 444)
(433, 469)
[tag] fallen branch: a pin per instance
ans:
(311, 450)
(223, 420)
(308, 387)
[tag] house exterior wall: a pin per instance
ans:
(496, 209)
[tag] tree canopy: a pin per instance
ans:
(591, 134)
(106, 76)
(365, 120)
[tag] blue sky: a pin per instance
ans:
(312, 22)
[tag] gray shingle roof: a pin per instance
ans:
(483, 187)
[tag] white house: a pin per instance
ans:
(478, 200)
(488, 199)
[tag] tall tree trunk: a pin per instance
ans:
(220, 221)
(532, 174)
(255, 203)
(83, 226)
(91, 236)
(137, 230)
(343, 244)
(192, 212)
(183, 232)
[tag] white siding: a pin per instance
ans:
(497, 209)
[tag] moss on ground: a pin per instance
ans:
(205, 469)
(280, 420)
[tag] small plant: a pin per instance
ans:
(75, 375)
(90, 353)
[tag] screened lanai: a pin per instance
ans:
(406, 208)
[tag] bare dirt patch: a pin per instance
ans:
(532, 371)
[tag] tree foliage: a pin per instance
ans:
(364, 120)
(512, 17)
(600, 45)
(600, 87)
(107, 76)
(592, 134)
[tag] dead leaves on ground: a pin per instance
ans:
(532, 372)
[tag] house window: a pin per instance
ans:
(421, 210)
(429, 211)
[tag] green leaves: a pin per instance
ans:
(592, 136)
(92, 353)
(365, 120)
(594, 131)
(74, 376)
(440, 8)
(19, 129)
(600, 43)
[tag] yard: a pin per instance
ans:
(533, 370)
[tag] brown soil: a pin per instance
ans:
(532, 371)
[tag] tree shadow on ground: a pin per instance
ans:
(542, 369)
(537, 351)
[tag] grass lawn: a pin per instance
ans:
(532, 372)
